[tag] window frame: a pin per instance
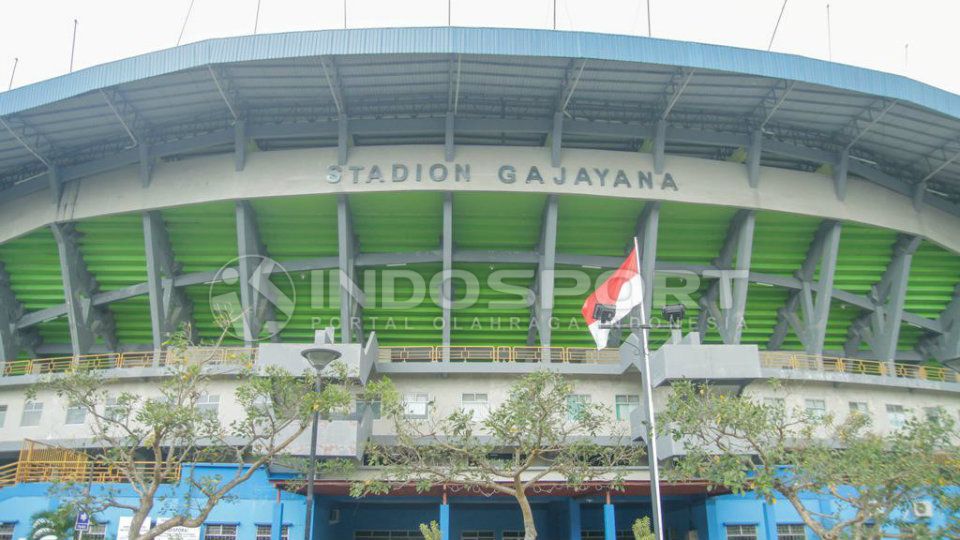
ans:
(480, 408)
(207, 535)
(75, 408)
(854, 407)
(422, 399)
(740, 535)
(627, 402)
(4, 408)
(206, 405)
(28, 410)
(783, 534)
(3, 533)
(582, 400)
(896, 415)
(816, 412)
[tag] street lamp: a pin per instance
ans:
(319, 358)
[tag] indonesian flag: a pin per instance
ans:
(619, 294)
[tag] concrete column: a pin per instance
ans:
(573, 514)
(714, 527)
(769, 521)
(609, 522)
(276, 524)
(445, 520)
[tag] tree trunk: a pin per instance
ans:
(529, 527)
(138, 518)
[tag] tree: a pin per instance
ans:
(641, 529)
(431, 531)
(739, 444)
(530, 436)
(145, 438)
(56, 524)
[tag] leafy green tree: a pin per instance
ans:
(56, 524)
(529, 437)
(641, 529)
(431, 531)
(145, 438)
(739, 444)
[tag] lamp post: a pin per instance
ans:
(319, 358)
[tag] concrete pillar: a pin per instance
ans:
(769, 521)
(609, 522)
(573, 514)
(445, 520)
(714, 527)
(276, 524)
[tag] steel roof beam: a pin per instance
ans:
(12, 339)
(116, 113)
(86, 321)
(170, 308)
(771, 102)
(258, 296)
(880, 327)
(446, 285)
(351, 297)
(813, 298)
(726, 299)
(865, 120)
(541, 310)
(568, 86)
(223, 94)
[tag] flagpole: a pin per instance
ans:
(651, 420)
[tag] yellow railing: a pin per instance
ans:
(568, 355)
(211, 355)
(8, 474)
(833, 364)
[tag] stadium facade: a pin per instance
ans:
(806, 213)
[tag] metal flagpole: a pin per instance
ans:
(651, 420)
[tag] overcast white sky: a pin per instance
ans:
(868, 33)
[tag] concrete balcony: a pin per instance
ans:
(338, 437)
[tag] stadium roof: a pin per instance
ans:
(504, 86)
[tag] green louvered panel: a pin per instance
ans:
(761, 316)
(316, 304)
(692, 234)
(497, 221)
(595, 225)
(33, 263)
(398, 222)
(571, 330)
(934, 273)
(114, 253)
(294, 228)
(405, 314)
(204, 239)
(496, 317)
(841, 316)
(863, 257)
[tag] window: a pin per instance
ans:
(477, 404)
(599, 535)
(32, 411)
(897, 416)
(6, 531)
(776, 403)
(374, 406)
(478, 535)
(791, 531)
(741, 532)
(816, 408)
(209, 404)
(3, 414)
(112, 411)
(263, 532)
(97, 531)
(75, 415)
(220, 532)
(517, 535)
(933, 414)
(859, 407)
(416, 405)
(626, 404)
(576, 404)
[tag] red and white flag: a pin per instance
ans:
(616, 297)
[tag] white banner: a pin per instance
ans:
(123, 527)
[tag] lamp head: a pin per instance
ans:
(674, 314)
(320, 357)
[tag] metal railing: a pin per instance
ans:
(239, 356)
(480, 354)
(855, 366)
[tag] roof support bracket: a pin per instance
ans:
(146, 164)
(753, 158)
(556, 139)
(86, 321)
(840, 170)
(239, 145)
(351, 297)
(343, 139)
(814, 297)
(56, 184)
(449, 150)
(880, 329)
(726, 299)
(258, 297)
(12, 340)
(542, 307)
(170, 308)
(659, 146)
(446, 286)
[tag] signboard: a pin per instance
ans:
(82, 523)
(179, 533)
(123, 527)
